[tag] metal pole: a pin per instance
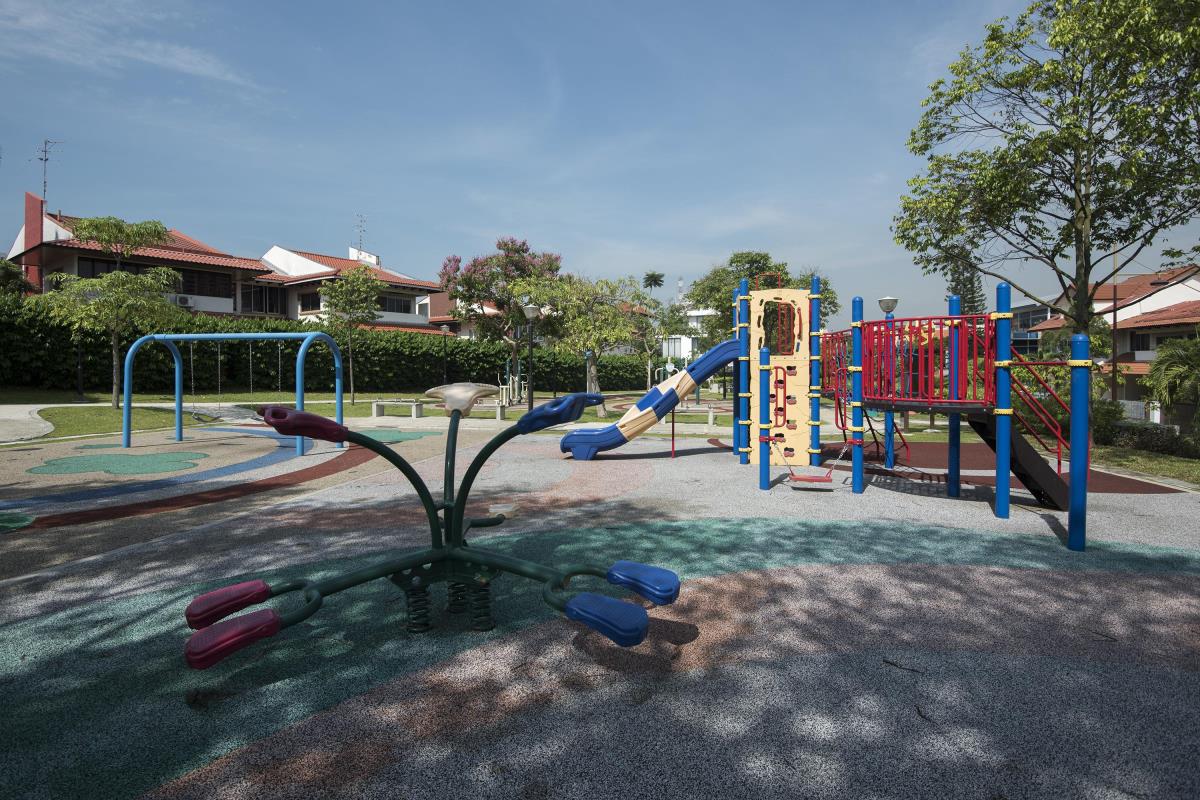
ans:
(953, 471)
(743, 398)
(889, 417)
(814, 372)
(1112, 392)
(1003, 409)
(764, 418)
(529, 377)
(1081, 364)
(856, 393)
(445, 363)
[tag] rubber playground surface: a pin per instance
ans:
(891, 644)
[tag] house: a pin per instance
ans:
(283, 283)
(687, 346)
(1149, 309)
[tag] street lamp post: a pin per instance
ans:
(531, 313)
(445, 363)
(887, 305)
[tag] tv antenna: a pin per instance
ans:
(44, 157)
(360, 225)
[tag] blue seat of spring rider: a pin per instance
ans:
(624, 623)
(659, 586)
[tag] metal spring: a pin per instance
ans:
(457, 595)
(480, 596)
(418, 608)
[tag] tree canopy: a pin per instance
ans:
(119, 238)
(714, 289)
(1174, 375)
(967, 283)
(12, 279)
(1067, 139)
(352, 300)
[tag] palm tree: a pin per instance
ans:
(12, 279)
(1174, 375)
(652, 280)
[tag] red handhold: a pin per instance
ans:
(291, 422)
(211, 644)
(220, 603)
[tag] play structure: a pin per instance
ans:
(307, 340)
(960, 365)
(467, 570)
(653, 407)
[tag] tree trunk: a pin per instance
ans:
(116, 375)
(649, 374)
(593, 385)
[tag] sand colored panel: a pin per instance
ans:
(637, 425)
(789, 402)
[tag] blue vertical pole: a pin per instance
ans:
(743, 400)
(954, 462)
(1081, 365)
(1003, 409)
(178, 389)
(814, 373)
(764, 418)
(300, 355)
(856, 393)
(735, 384)
(889, 417)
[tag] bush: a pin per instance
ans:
(37, 353)
(1153, 438)
(1105, 416)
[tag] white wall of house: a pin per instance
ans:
(196, 302)
(1180, 292)
(290, 263)
(51, 232)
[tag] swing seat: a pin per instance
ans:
(811, 478)
(624, 623)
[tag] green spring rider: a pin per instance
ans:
(468, 571)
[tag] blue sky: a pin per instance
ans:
(625, 136)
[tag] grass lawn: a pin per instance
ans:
(1183, 469)
(83, 420)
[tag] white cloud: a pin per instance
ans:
(106, 35)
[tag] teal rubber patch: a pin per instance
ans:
(14, 520)
(388, 435)
(119, 464)
(96, 446)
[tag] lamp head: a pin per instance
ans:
(445, 329)
(531, 311)
(888, 304)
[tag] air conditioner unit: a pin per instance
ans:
(182, 300)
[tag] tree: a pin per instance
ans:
(591, 317)
(652, 280)
(118, 303)
(12, 279)
(1174, 375)
(1069, 139)
(967, 283)
(118, 238)
(483, 292)
(715, 289)
(351, 300)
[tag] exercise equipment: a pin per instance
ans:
(467, 570)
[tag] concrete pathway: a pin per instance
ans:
(20, 422)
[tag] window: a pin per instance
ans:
(95, 267)
(262, 300)
(1141, 341)
(310, 301)
(395, 304)
(205, 284)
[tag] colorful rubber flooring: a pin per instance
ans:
(814, 659)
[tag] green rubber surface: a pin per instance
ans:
(119, 464)
(388, 435)
(98, 696)
(14, 520)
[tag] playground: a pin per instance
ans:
(258, 610)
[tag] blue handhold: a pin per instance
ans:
(659, 586)
(567, 408)
(623, 622)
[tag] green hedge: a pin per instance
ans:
(36, 353)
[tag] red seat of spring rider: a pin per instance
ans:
(220, 603)
(209, 645)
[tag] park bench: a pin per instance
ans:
(378, 407)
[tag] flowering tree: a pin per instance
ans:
(483, 291)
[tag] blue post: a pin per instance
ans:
(337, 380)
(743, 399)
(734, 383)
(127, 390)
(1081, 365)
(889, 417)
(856, 393)
(764, 418)
(954, 471)
(1003, 409)
(814, 373)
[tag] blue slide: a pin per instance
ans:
(656, 404)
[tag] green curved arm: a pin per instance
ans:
(381, 450)
(455, 534)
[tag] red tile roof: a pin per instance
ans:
(1135, 287)
(384, 326)
(1186, 313)
(205, 258)
(1051, 324)
(337, 265)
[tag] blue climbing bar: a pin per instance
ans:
(1003, 409)
(1081, 366)
(765, 400)
(814, 372)
(889, 417)
(743, 396)
(733, 333)
(856, 392)
(954, 461)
